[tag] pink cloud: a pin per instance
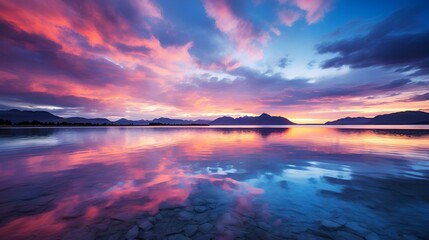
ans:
(239, 30)
(6, 76)
(81, 43)
(315, 9)
(288, 17)
(276, 31)
(147, 7)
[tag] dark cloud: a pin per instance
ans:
(40, 98)
(394, 84)
(245, 84)
(10, 35)
(113, 18)
(329, 94)
(422, 97)
(272, 89)
(311, 64)
(31, 54)
(363, 90)
(136, 49)
(284, 62)
(397, 42)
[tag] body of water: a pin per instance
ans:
(214, 183)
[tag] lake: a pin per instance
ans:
(214, 183)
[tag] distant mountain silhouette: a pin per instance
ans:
(87, 120)
(202, 121)
(263, 119)
(17, 116)
(407, 117)
(124, 121)
(349, 121)
(178, 121)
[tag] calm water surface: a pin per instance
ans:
(214, 183)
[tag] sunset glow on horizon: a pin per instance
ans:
(311, 61)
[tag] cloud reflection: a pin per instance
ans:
(78, 177)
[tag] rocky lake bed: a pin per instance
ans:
(260, 185)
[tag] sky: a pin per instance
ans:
(308, 60)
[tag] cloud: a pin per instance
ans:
(43, 56)
(361, 90)
(241, 32)
(243, 86)
(88, 58)
(149, 8)
(394, 84)
(131, 58)
(288, 17)
(42, 98)
(276, 31)
(284, 62)
(422, 97)
(315, 9)
(136, 49)
(311, 64)
(396, 42)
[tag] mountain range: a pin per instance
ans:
(406, 117)
(263, 119)
(15, 116)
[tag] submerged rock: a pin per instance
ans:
(297, 228)
(190, 230)
(170, 206)
(410, 237)
(198, 202)
(203, 237)
(169, 227)
(124, 217)
(330, 225)
(372, 236)
(159, 216)
(340, 220)
(178, 237)
(115, 236)
(200, 209)
(201, 218)
(341, 235)
(78, 234)
(185, 215)
(307, 236)
(357, 229)
(213, 216)
(132, 233)
(228, 219)
(149, 236)
(263, 225)
(145, 225)
(206, 227)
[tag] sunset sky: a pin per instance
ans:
(307, 60)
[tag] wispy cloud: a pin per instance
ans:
(240, 31)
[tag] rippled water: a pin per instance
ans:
(214, 183)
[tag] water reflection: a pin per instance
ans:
(221, 183)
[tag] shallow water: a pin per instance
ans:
(214, 183)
